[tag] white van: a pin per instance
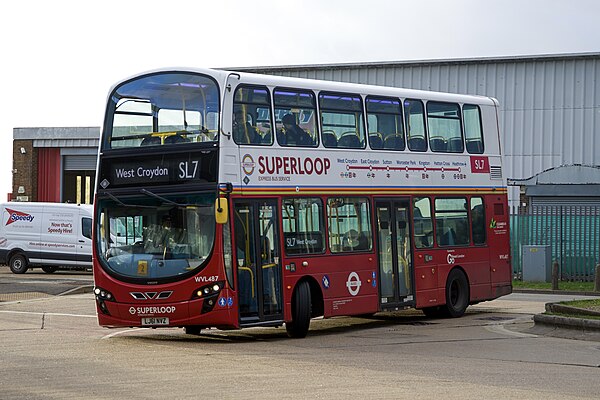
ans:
(46, 235)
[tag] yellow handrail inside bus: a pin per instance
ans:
(251, 277)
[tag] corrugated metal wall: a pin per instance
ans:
(550, 105)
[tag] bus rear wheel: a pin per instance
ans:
(18, 264)
(457, 294)
(49, 270)
(301, 310)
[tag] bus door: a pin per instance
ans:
(258, 261)
(394, 253)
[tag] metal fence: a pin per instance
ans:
(573, 232)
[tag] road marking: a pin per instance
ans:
(499, 328)
(47, 313)
(121, 332)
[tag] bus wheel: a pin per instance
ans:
(457, 294)
(18, 264)
(49, 270)
(192, 330)
(301, 309)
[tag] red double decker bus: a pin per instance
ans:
(233, 200)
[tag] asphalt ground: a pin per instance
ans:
(36, 284)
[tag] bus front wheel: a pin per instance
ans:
(301, 310)
(18, 264)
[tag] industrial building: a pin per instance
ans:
(550, 118)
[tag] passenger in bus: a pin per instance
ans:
(160, 237)
(243, 131)
(292, 134)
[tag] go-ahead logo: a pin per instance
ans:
(14, 216)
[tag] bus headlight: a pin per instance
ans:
(208, 290)
(101, 297)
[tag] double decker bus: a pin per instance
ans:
(234, 200)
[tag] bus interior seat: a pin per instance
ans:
(177, 138)
(438, 144)
(350, 141)
(375, 141)
(417, 143)
(394, 142)
(475, 146)
(329, 139)
(150, 141)
(455, 145)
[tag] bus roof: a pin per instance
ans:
(321, 85)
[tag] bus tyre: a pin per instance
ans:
(457, 294)
(301, 310)
(18, 264)
(49, 270)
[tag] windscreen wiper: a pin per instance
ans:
(163, 199)
(124, 204)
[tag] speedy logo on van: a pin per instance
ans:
(15, 216)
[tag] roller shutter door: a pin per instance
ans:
(79, 163)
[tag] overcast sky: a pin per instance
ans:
(60, 57)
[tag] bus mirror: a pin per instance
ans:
(221, 210)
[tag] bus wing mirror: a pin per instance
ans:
(221, 210)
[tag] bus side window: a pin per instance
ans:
(451, 223)
(477, 220)
(473, 129)
(415, 125)
(303, 226)
(342, 124)
(251, 122)
(422, 222)
(349, 224)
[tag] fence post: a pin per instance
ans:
(555, 275)
(597, 279)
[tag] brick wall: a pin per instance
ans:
(26, 166)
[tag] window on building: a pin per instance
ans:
(303, 229)
(349, 224)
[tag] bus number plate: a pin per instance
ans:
(149, 321)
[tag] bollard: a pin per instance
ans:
(555, 275)
(597, 280)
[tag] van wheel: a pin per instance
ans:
(49, 270)
(18, 264)
(301, 309)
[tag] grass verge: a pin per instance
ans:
(568, 286)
